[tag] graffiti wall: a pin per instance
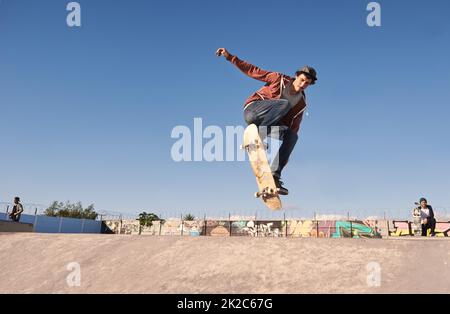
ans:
(400, 228)
(172, 227)
(355, 229)
(182, 228)
(332, 229)
(442, 229)
(217, 228)
(131, 226)
(251, 228)
(405, 228)
(258, 228)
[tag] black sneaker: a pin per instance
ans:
(279, 184)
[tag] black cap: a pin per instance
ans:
(310, 72)
(423, 199)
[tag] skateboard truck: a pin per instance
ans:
(253, 146)
(266, 192)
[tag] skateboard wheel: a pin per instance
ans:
(257, 194)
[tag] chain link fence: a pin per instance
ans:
(288, 222)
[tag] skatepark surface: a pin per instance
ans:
(38, 263)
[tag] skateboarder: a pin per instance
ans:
(427, 217)
(281, 102)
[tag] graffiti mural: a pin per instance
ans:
(240, 228)
(258, 229)
(379, 226)
(404, 228)
(125, 226)
(131, 226)
(112, 225)
(172, 227)
(218, 228)
(301, 228)
(442, 229)
(400, 228)
(332, 229)
(269, 228)
(355, 229)
(311, 229)
(191, 228)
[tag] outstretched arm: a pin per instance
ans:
(249, 69)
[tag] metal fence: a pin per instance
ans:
(289, 222)
(46, 224)
(441, 213)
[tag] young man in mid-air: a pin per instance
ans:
(281, 102)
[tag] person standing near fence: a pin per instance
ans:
(427, 217)
(17, 210)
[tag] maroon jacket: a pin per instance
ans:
(275, 82)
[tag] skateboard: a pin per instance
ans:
(417, 222)
(256, 150)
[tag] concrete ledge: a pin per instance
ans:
(11, 226)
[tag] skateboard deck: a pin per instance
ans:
(256, 150)
(417, 223)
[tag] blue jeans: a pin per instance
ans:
(268, 113)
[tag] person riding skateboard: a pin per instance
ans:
(427, 217)
(281, 103)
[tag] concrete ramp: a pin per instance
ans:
(11, 226)
(57, 263)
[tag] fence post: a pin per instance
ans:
(182, 226)
(204, 224)
(285, 225)
(256, 223)
(317, 224)
(317, 228)
(229, 222)
(35, 223)
(120, 226)
(60, 224)
(351, 229)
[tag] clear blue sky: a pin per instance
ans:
(87, 113)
